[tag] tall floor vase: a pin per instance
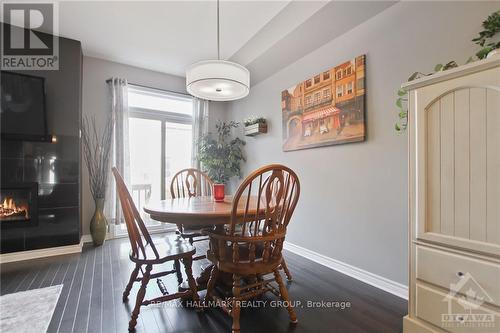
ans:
(98, 224)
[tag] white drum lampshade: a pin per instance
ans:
(218, 80)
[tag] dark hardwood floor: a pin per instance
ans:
(94, 280)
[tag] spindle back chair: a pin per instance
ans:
(189, 183)
(145, 253)
(251, 245)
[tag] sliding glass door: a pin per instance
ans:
(160, 132)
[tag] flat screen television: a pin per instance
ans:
(22, 108)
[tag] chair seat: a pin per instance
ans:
(169, 248)
(244, 265)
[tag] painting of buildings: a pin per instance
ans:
(326, 109)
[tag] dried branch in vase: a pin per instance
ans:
(96, 151)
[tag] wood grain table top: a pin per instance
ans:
(197, 210)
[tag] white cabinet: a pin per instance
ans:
(454, 200)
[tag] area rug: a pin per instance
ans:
(28, 311)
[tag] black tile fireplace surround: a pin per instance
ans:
(45, 177)
(53, 167)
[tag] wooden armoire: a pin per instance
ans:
(454, 200)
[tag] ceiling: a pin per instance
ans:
(167, 36)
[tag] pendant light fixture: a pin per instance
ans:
(218, 80)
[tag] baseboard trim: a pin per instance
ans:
(87, 239)
(41, 253)
(377, 281)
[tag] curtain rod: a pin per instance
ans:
(154, 88)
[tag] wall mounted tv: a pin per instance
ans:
(22, 108)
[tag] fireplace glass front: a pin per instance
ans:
(18, 204)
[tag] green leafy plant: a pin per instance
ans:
(491, 27)
(402, 100)
(254, 120)
(401, 104)
(221, 155)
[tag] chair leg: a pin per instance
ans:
(214, 273)
(131, 281)
(284, 296)
(191, 281)
(178, 272)
(235, 309)
(285, 269)
(140, 297)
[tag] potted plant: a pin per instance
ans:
(96, 151)
(490, 45)
(255, 126)
(220, 156)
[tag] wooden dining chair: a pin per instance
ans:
(145, 254)
(250, 247)
(189, 183)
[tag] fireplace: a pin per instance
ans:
(19, 205)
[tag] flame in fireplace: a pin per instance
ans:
(9, 208)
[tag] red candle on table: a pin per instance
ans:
(218, 191)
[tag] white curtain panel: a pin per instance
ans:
(200, 128)
(120, 150)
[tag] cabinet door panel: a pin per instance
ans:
(493, 166)
(458, 163)
(447, 128)
(478, 164)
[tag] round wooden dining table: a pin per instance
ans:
(201, 211)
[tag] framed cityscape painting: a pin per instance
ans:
(327, 109)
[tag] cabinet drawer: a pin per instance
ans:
(444, 268)
(453, 314)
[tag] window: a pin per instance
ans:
(160, 139)
(348, 70)
(339, 91)
(317, 97)
(326, 75)
(316, 79)
(361, 83)
(349, 88)
(338, 74)
(326, 93)
(308, 83)
(308, 100)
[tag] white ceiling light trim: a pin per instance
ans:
(218, 80)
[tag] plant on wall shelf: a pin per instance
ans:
(254, 120)
(220, 155)
(485, 39)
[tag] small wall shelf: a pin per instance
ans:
(255, 129)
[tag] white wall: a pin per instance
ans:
(353, 205)
(96, 102)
